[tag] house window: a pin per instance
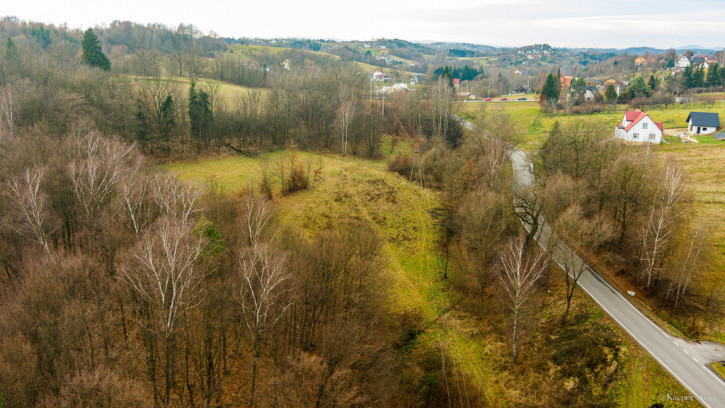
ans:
(651, 136)
(704, 129)
(644, 126)
(635, 136)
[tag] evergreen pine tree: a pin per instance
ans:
(638, 87)
(713, 75)
(698, 77)
(10, 61)
(200, 116)
(168, 119)
(551, 90)
(11, 51)
(142, 123)
(611, 94)
(92, 53)
(652, 82)
(687, 74)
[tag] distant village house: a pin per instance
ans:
(637, 126)
(682, 61)
(703, 123)
(380, 76)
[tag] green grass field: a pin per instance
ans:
(226, 92)
(534, 126)
(704, 163)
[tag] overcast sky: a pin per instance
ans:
(571, 23)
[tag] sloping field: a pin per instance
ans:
(353, 189)
(226, 92)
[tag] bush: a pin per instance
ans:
(297, 179)
(587, 108)
(401, 164)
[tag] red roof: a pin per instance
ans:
(456, 81)
(635, 116)
(631, 115)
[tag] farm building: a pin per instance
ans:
(637, 126)
(639, 61)
(702, 123)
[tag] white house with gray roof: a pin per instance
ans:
(703, 123)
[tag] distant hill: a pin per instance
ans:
(699, 49)
(465, 46)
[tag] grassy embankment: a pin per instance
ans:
(350, 188)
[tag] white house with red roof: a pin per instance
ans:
(637, 126)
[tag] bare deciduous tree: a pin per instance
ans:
(663, 218)
(589, 235)
(136, 201)
(530, 207)
(163, 273)
(262, 294)
(442, 105)
(345, 116)
(174, 197)
(163, 270)
(7, 110)
(519, 271)
(95, 176)
(30, 202)
(256, 214)
(690, 264)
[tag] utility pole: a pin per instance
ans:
(371, 89)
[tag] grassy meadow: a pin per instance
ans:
(226, 92)
(704, 163)
(534, 126)
(354, 189)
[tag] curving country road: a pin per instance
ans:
(687, 361)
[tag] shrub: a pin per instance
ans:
(587, 108)
(401, 164)
(297, 179)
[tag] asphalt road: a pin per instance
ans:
(687, 361)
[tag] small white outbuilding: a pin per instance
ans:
(703, 123)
